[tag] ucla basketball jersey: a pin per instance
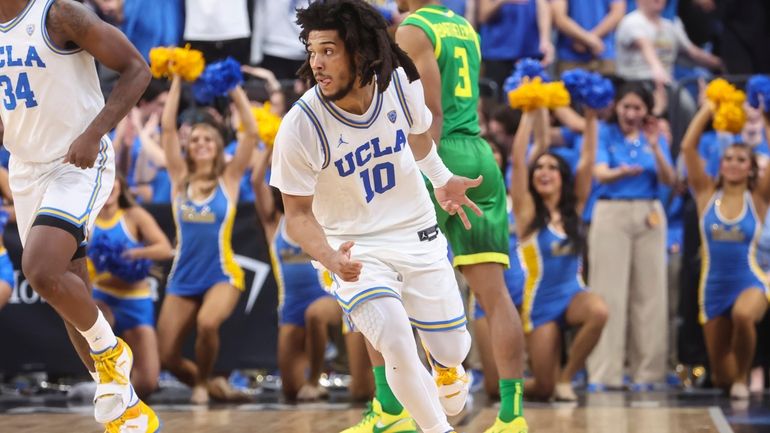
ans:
(367, 186)
(729, 262)
(116, 230)
(551, 276)
(204, 255)
(49, 94)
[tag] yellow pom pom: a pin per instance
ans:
(528, 96)
(729, 117)
(556, 95)
(267, 123)
(159, 61)
(187, 63)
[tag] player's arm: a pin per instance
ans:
(70, 23)
(157, 245)
(169, 136)
(415, 42)
(303, 227)
(247, 141)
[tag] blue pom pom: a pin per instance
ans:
(107, 256)
(218, 79)
(588, 88)
(758, 90)
(525, 68)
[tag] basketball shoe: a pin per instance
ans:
(453, 385)
(138, 418)
(114, 393)
(375, 420)
(518, 425)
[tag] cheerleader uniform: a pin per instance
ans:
(729, 263)
(204, 254)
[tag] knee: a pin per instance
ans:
(451, 348)
(599, 314)
(40, 277)
(207, 327)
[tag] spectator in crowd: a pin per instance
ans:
(275, 43)
(512, 30)
(219, 29)
(146, 23)
(627, 242)
(586, 37)
(547, 202)
(669, 10)
(733, 295)
(465, 8)
(648, 44)
(6, 212)
(205, 282)
(128, 305)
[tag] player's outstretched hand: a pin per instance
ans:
(451, 197)
(83, 151)
(342, 265)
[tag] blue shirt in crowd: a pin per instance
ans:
(587, 14)
(153, 23)
(457, 6)
(615, 150)
(511, 33)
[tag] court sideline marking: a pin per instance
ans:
(720, 422)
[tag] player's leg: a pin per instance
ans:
(144, 343)
(79, 267)
(481, 337)
(718, 335)
(589, 313)
(385, 324)
(175, 322)
(218, 304)
(362, 382)
(748, 310)
(322, 313)
(544, 349)
(292, 359)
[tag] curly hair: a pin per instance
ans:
(373, 52)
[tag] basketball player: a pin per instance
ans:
(445, 48)
(354, 198)
(62, 169)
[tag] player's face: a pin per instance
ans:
(736, 165)
(203, 146)
(631, 112)
(331, 64)
(546, 177)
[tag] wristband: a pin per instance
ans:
(434, 169)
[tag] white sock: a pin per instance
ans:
(100, 336)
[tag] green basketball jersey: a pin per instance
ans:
(457, 51)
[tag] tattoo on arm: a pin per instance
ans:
(68, 20)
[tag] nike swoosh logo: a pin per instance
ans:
(379, 428)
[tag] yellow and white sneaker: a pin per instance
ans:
(114, 392)
(453, 385)
(375, 420)
(518, 425)
(138, 418)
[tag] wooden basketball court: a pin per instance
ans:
(250, 419)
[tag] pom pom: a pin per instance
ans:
(533, 94)
(267, 124)
(729, 114)
(107, 256)
(730, 117)
(217, 80)
(758, 90)
(530, 68)
(589, 88)
(167, 61)
(160, 58)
